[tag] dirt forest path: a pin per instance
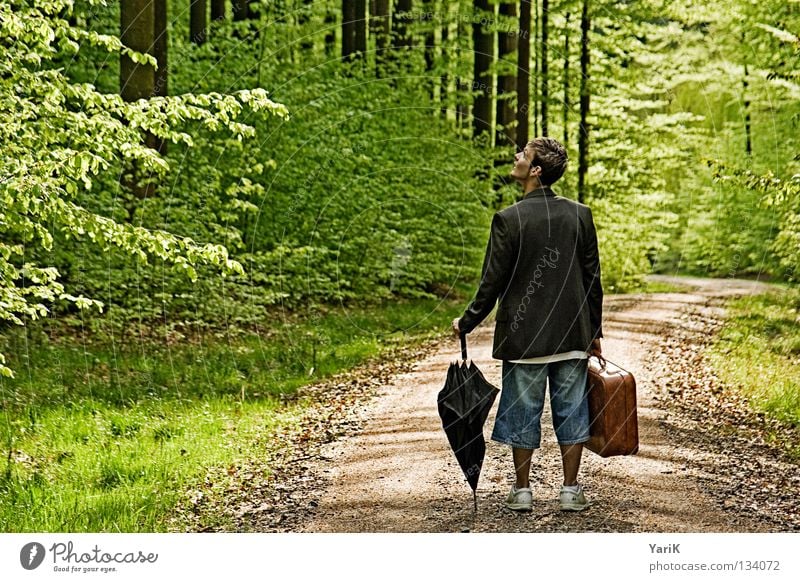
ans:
(397, 473)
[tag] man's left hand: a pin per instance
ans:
(456, 331)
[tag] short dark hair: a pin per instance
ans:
(551, 156)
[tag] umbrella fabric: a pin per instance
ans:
(464, 404)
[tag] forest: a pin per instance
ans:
(208, 204)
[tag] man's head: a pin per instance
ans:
(543, 159)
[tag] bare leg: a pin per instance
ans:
(571, 461)
(522, 466)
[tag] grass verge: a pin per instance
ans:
(757, 350)
(99, 436)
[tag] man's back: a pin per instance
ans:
(543, 260)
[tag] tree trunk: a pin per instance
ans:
(748, 148)
(401, 37)
(545, 10)
(217, 10)
(161, 79)
(360, 25)
(348, 29)
(506, 83)
(430, 52)
(137, 30)
(523, 75)
(748, 144)
(583, 131)
(566, 79)
(197, 22)
(241, 9)
(380, 29)
(445, 79)
(330, 34)
(536, 68)
(483, 43)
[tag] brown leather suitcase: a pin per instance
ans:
(614, 426)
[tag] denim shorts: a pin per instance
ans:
(522, 400)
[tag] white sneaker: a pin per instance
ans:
(520, 499)
(572, 498)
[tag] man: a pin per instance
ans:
(542, 265)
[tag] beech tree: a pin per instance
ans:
(60, 136)
(218, 10)
(348, 28)
(360, 28)
(380, 29)
(566, 101)
(198, 22)
(241, 9)
(583, 129)
(482, 83)
(544, 63)
(507, 75)
(523, 75)
(401, 35)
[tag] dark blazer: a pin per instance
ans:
(543, 266)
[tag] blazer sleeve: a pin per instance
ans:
(592, 284)
(495, 275)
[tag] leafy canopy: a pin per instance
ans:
(58, 136)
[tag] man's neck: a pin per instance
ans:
(531, 184)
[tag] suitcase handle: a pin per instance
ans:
(605, 361)
(602, 361)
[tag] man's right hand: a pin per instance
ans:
(597, 351)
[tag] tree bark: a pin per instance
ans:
(137, 31)
(217, 10)
(545, 10)
(523, 75)
(241, 10)
(566, 79)
(445, 79)
(536, 49)
(161, 80)
(197, 22)
(583, 132)
(463, 95)
(483, 49)
(748, 148)
(506, 83)
(348, 29)
(360, 26)
(401, 37)
(430, 52)
(748, 143)
(380, 29)
(137, 27)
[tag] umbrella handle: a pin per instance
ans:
(463, 337)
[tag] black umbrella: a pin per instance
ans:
(464, 404)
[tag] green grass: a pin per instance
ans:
(758, 350)
(654, 286)
(103, 436)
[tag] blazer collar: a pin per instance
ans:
(543, 191)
